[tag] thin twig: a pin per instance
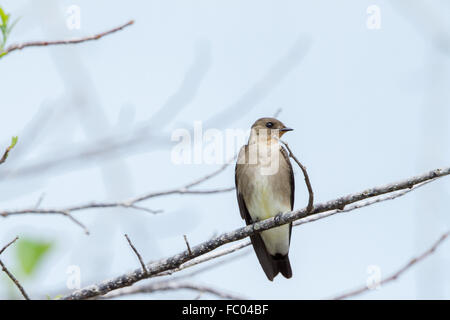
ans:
(8, 244)
(310, 206)
(175, 261)
(277, 113)
(9, 274)
(5, 155)
(76, 221)
(187, 244)
(21, 46)
(13, 279)
(398, 273)
(137, 254)
(39, 202)
(212, 174)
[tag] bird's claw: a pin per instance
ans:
(278, 217)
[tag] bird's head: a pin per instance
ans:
(270, 126)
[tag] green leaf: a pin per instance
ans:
(4, 17)
(13, 142)
(5, 29)
(30, 253)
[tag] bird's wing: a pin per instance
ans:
(238, 171)
(268, 264)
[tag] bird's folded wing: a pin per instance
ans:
(264, 257)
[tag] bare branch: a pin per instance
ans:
(21, 46)
(193, 262)
(9, 274)
(310, 206)
(129, 203)
(359, 205)
(174, 262)
(137, 254)
(398, 273)
(311, 218)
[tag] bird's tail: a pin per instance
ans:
(282, 265)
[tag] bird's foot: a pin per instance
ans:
(278, 217)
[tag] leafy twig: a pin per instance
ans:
(5, 29)
(21, 46)
(11, 146)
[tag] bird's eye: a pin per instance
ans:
(269, 124)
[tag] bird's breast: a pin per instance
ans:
(266, 202)
(266, 199)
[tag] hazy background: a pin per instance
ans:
(368, 106)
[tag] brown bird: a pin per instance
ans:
(265, 188)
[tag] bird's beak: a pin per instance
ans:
(284, 130)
